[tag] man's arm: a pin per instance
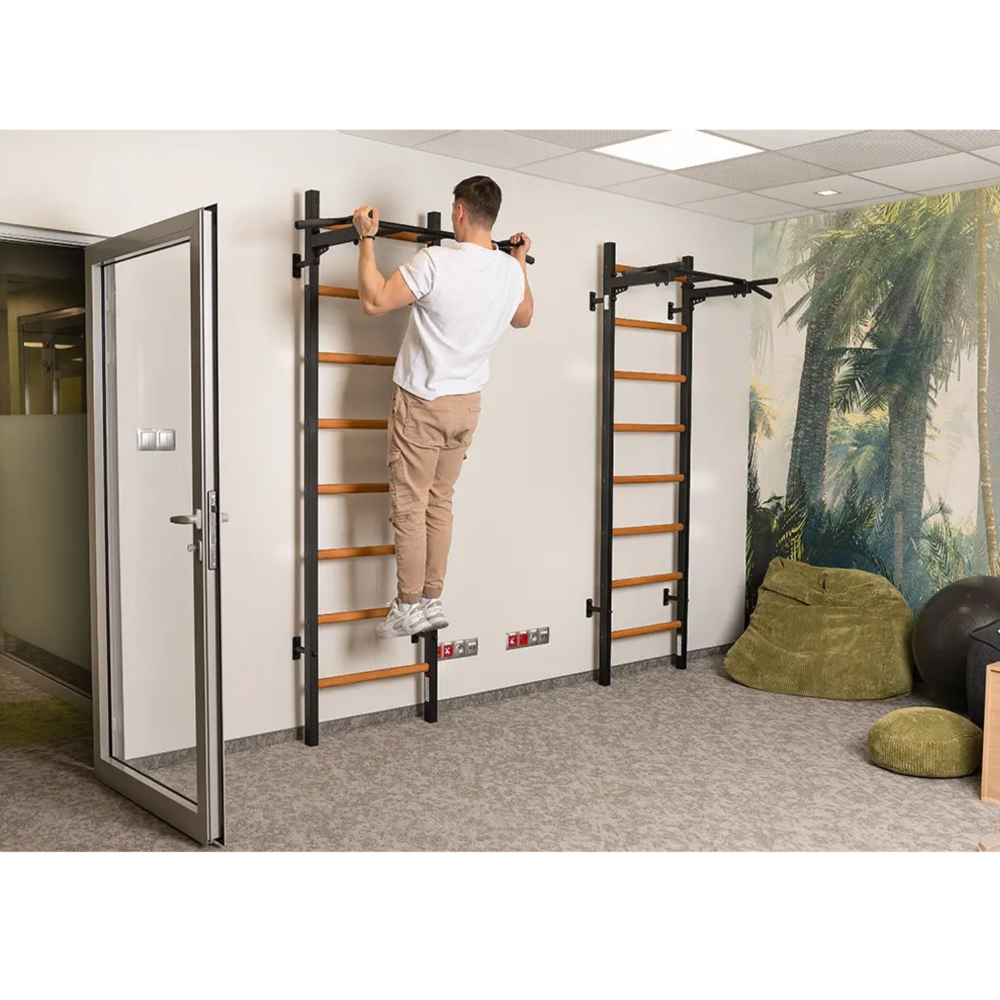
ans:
(522, 318)
(378, 295)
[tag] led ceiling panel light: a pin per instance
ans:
(678, 149)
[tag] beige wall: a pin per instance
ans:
(44, 534)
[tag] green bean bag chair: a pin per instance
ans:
(826, 633)
(926, 742)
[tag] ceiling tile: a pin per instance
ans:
(498, 149)
(971, 186)
(990, 153)
(780, 138)
(868, 202)
(849, 154)
(799, 213)
(585, 138)
(740, 207)
(590, 170)
(849, 189)
(758, 170)
(400, 137)
(969, 139)
(670, 189)
(956, 168)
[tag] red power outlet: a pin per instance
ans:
(512, 640)
(522, 639)
(439, 652)
(448, 650)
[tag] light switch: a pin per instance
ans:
(147, 439)
(165, 440)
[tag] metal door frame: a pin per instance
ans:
(204, 820)
(33, 235)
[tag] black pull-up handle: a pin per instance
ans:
(755, 286)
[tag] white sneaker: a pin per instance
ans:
(398, 623)
(434, 614)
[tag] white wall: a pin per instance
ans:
(525, 542)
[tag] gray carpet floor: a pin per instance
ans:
(664, 760)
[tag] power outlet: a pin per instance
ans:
(528, 637)
(457, 649)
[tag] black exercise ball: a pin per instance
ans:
(941, 635)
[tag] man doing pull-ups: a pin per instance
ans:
(464, 295)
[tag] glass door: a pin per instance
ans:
(155, 547)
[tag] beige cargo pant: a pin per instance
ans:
(428, 440)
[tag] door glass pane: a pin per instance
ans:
(44, 535)
(154, 570)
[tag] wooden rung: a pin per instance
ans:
(647, 529)
(660, 428)
(374, 675)
(674, 477)
(644, 324)
(622, 268)
(651, 376)
(358, 425)
(645, 630)
(352, 616)
(325, 357)
(409, 237)
(333, 292)
(326, 489)
(358, 551)
(635, 581)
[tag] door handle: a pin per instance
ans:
(193, 519)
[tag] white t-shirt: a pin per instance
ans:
(466, 297)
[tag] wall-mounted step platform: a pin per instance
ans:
(625, 633)
(326, 489)
(647, 529)
(332, 358)
(338, 423)
(647, 324)
(650, 428)
(636, 581)
(651, 376)
(358, 552)
(373, 675)
(673, 477)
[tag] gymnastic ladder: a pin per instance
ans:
(617, 279)
(319, 235)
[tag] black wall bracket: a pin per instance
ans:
(298, 649)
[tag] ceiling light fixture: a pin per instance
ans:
(678, 149)
(32, 343)
(828, 193)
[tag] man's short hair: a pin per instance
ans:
(481, 197)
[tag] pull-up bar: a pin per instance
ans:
(656, 274)
(334, 232)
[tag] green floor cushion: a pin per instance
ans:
(826, 633)
(926, 742)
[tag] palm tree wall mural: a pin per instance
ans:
(875, 393)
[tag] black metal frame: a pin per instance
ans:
(613, 285)
(317, 240)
